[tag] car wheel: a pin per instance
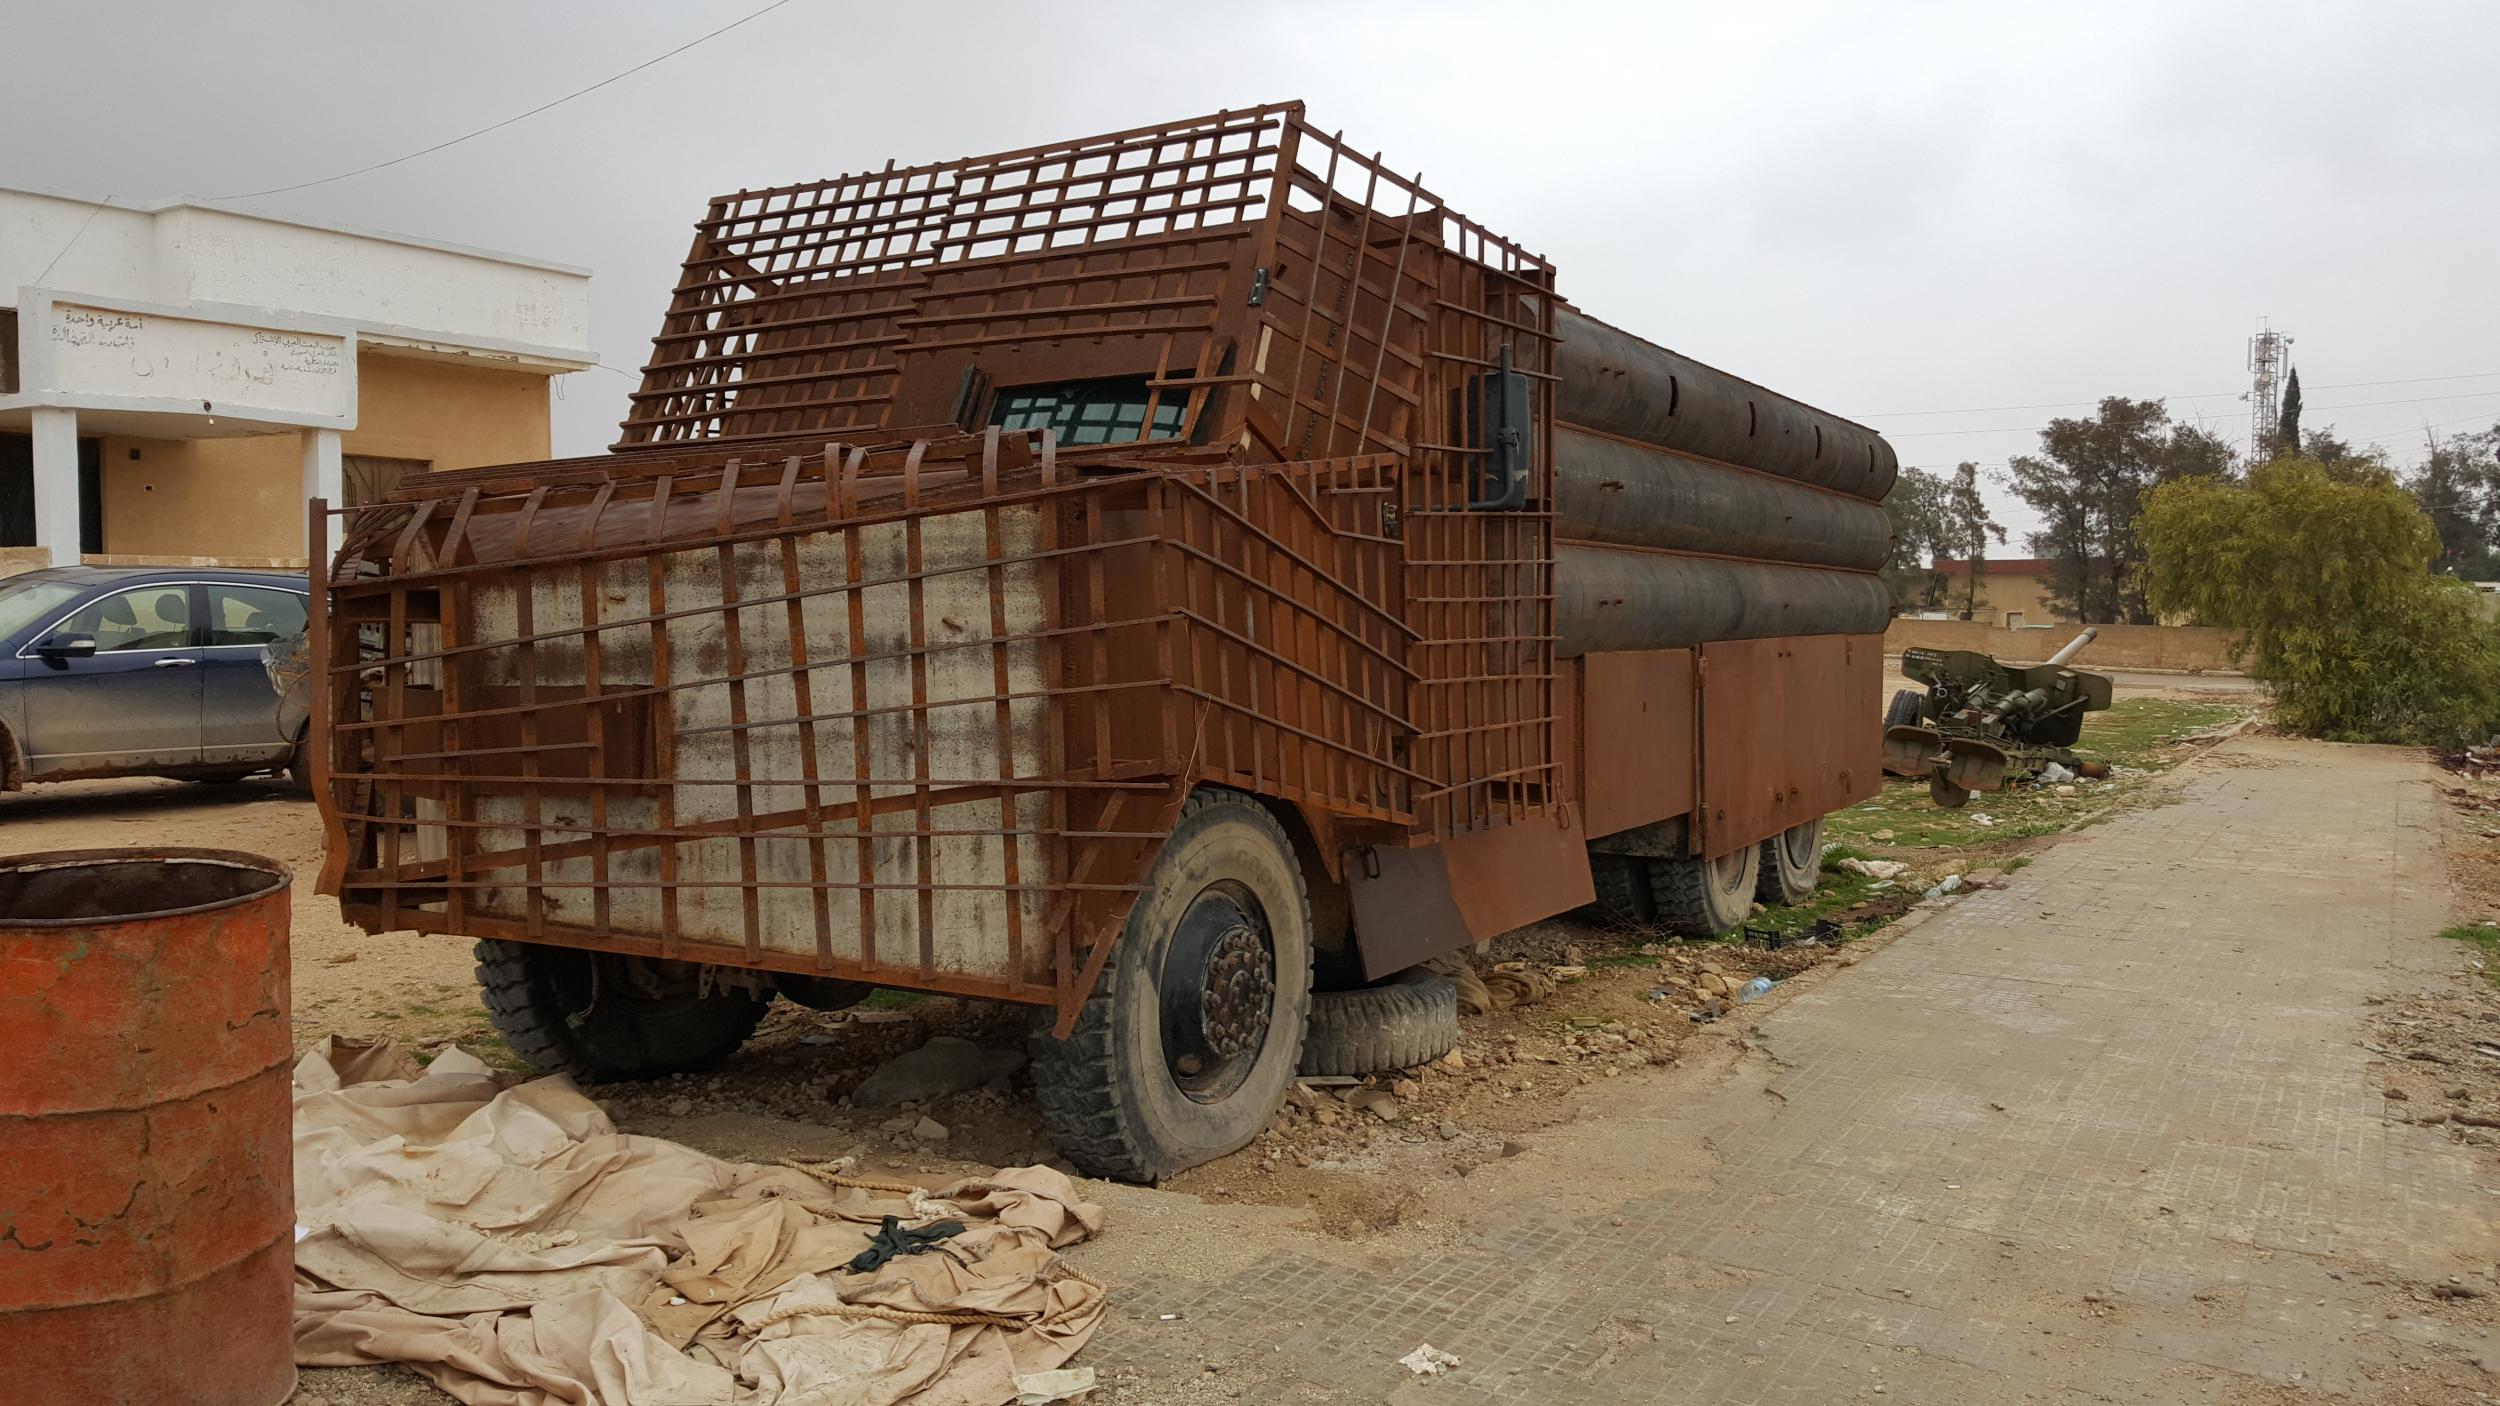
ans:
(298, 774)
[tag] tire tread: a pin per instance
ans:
(1681, 890)
(539, 1033)
(1407, 1020)
(1077, 1081)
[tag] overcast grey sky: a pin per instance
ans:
(1879, 208)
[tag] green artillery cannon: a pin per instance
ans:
(1981, 723)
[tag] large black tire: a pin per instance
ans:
(1403, 1021)
(1792, 864)
(1165, 1071)
(1622, 890)
(298, 771)
(597, 1017)
(1903, 711)
(1705, 898)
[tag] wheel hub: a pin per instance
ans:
(1217, 991)
(1240, 990)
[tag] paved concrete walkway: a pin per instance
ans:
(2103, 1135)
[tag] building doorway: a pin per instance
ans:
(17, 493)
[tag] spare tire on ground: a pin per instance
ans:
(1397, 1023)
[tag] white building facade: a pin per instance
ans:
(184, 373)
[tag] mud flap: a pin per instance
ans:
(1411, 905)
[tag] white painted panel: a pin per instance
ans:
(95, 351)
(106, 251)
(220, 257)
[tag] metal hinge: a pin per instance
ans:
(1258, 287)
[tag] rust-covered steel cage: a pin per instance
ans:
(966, 518)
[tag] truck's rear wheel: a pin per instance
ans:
(1705, 897)
(1188, 1044)
(1792, 863)
(599, 1016)
(1622, 889)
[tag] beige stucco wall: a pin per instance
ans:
(243, 497)
(2001, 594)
(2193, 647)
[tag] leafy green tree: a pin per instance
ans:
(1918, 506)
(2327, 580)
(2345, 461)
(2457, 485)
(2088, 483)
(1969, 526)
(2287, 428)
(1936, 517)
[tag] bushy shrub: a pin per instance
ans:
(2328, 580)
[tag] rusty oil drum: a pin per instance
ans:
(147, 1253)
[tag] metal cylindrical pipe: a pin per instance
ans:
(1623, 385)
(1608, 598)
(2074, 646)
(146, 1129)
(1634, 495)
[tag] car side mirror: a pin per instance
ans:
(67, 647)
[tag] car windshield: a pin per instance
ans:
(24, 602)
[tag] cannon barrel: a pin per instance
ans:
(1622, 385)
(2074, 646)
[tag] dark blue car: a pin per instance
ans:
(153, 671)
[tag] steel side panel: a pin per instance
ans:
(1635, 731)
(1412, 905)
(1791, 729)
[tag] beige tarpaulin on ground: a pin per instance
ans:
(517, 1250)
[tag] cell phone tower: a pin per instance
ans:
(2269, 357)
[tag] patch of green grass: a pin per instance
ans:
(888, 999)
(1837, 893)
(2135, 734)
(2139, 732)
(2486, 937)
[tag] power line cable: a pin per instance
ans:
(75, 236)
(518, 117)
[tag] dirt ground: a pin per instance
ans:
(1625, 1009)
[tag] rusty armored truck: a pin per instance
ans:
(1179, 580)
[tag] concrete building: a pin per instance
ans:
(178, 379)
(2013, 592)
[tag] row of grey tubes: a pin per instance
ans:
(1692, 505)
